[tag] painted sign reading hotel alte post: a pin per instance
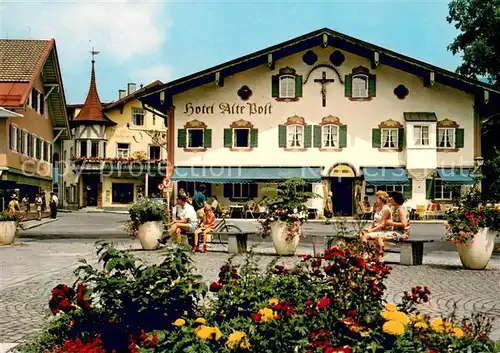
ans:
(228, 108)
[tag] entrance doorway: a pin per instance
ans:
(342, 197)
(90, 191)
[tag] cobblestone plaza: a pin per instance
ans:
(30, 269)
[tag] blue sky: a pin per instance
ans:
(144, 41)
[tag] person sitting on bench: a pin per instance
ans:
(399, 221)
(378, 229)
(206, 228)
(187, 223)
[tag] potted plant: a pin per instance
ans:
(146, 222)
(285, 214)
(473, 227)
(8, 226)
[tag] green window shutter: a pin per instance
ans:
(407, 190)
(317, 136)
(376, 138)
(228, 190)
(228, 138)
(459, 138)
(348, 85)
(308, 136)
(401, 138)
(207, 138)
(298, 86)
(343, 136)
(429, 189)
(372, 86)
(181, 138)
(275, 86)
(254, 137)
(282, 135)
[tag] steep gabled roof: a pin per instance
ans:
(131, 96)
(323, 37)
(92, 111)
(21, 63)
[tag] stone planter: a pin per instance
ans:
(279, 231)
(7, 232)
(149, 233)
(477, 255)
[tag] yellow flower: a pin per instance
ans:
(273, 301)
(394, 328)
(245, 345)
(205, 333)
(417, 318)
(200, 320)
(179, 322)
(457, 332)
(217, 333)
(396, 316)
(234, 339)
(421, 324)
(390, 307)
(440, 325)
(267, 315)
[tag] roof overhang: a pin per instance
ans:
(5, 113)
(323, 37)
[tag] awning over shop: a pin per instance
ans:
(385, 176)
(245, 174)
(462, 176)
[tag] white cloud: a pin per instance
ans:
(123, 30)
(147, 75)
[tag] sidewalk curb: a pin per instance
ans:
(41, 223)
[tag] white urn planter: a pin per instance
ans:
(279, 231)
(7, 232)
(149, 234)
(477, 254)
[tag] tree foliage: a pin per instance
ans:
(479, 40)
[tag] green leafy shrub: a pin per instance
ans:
(142, 211)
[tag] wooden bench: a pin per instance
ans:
(236, 241)
(412, 250)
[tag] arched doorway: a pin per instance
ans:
(342, 177)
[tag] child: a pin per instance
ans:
(206, 228)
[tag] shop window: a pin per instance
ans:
(122, 193)
(240, 191)
(442, 191)
(191, 187)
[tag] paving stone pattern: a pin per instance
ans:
(28, 272)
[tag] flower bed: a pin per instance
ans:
(7, 216)
(329, 304)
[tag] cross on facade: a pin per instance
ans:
(324, 81)
(94, 53)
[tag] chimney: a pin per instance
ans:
(121, 93)
(131, 88)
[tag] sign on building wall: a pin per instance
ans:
(228, 109)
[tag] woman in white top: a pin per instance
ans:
(379, 226)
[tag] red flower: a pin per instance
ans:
(352, 313)
(345, 349)
(215, 287)
(256, 317)
(324, 302)
(80, 297)
(308, 303)
(333, 252)
(316, 263)
(305, 257)
(236, 283)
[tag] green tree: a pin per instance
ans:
(491, 174)
(479, 40)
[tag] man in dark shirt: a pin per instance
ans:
(199, 201)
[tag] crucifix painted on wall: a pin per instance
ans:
(324, 81)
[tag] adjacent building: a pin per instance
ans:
(33, 119)
(117, 151)
(349, 117)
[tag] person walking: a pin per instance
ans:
(14, 204)
(328, 212)
(54, 201)
(26, 203)
(38, 204)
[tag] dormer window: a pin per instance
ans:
(286, 85)
(359, 86)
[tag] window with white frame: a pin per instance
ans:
(195, 138)
(389, 138)
(295, 136)
(446, 137)
(360, 86)
(13, 137)
(330, 136)
(421, 135)
(35, 146)
(287, 86)
(24, 148)
(122, 150)
(138, 116)
(241, 138)
(154, 152)
(441, 190)
(41, 146)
